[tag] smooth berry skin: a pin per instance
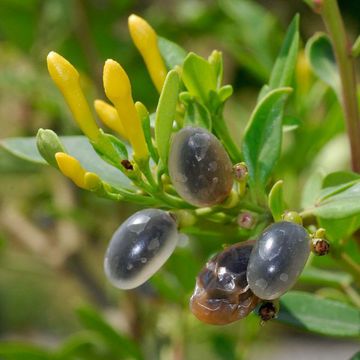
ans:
(222, 294)
(139, 247)
(277, 259)
(199, 167)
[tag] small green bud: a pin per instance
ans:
(293, 217)
(240, 172)
(48, 144)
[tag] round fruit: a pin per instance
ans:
(199, 167)
(277, 259)
(139, 247)
(222, 294)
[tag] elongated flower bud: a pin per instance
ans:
(72, 169)
(118, 89)
(110, 117)
(145, 39)
(66, 78)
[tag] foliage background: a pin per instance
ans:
(57, 303)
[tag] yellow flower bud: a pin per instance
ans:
(110, 117)
(92, 181)
(66, 78)
(118, 90)
(71, 168)
(145, 39)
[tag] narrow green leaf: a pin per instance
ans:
(172, 53)
(262, 140)
(77, 146)
(321, 57)
(121, 344)
(146, 125)
(199, 77)
(276, 200)
(330, 191)
(165, 114)
(322, 316)
(283, 70)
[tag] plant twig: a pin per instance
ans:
(331, 16)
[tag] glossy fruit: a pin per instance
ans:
(139, 247)
(222, 294)
(199, 167)
(277, 259)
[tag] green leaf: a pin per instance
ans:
(276, 200)
(356, 356)
(322, 316)
(340, 229)
(315, 276)
(172, 53)
(343, 204)
(311, 189)
(21, 351)
(77, 146)
(199, 77)
(165, 114)
(146, 126)
(339, 178)
(24, 148)
(119, 343)
(283, 70)
(262, 139)
(322, 61)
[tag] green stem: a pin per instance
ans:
(331, 16)
(223, 133)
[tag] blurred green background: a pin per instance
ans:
(59, 301)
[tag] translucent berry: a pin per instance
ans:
(277, 259)
(222, 294)
(199, 167)
(139, 247)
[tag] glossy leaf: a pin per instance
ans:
(276, 200)
(322, 316)
(172, 53)
(263, 135)
(283, 70)
(116, 341)
(199, 77)
(165, 114)
(77, 146)
(322, 60)
(290, 123)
